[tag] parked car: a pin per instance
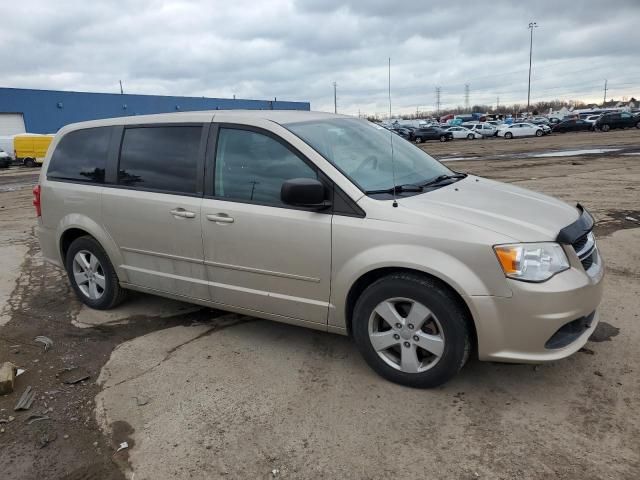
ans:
(521, 129)
(30, 149)
(592, 118)
(496, 123)
(423, 134)
(572, 126)
(5, 159)
(290, 216)
(402, 132)
(609, 121)
(546, 129)
(483, 128)
(462, 132)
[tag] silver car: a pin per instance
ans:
(321, 221)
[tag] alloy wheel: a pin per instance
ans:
(89, 274)
(406, 335)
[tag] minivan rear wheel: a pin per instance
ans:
(411, 330)
(92, 275)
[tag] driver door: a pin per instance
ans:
(259, 253)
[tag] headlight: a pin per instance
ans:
(531, 262)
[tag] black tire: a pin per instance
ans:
(29, 162)
(443, 138)
(538, 133)
(638, 125)
(444, 305)
(113, 293)
(508, 135)
(470, 136)
(605, 127)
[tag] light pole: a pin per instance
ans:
(532, 25)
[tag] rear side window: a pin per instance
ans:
(160, 158)
(81, 156)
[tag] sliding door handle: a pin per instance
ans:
(220, 218)
(182, 213)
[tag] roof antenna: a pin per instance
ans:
(393, 165)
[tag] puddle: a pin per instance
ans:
(632, 153)
(573, 153)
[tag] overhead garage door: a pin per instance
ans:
(11, 123)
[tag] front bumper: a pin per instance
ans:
(524, 328)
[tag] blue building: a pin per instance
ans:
(46, 111)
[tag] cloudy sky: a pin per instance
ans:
(296, 49)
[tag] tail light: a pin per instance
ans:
(36, 200)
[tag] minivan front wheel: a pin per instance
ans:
(92, 275)
(411, 330)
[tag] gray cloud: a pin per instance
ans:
(295, 49)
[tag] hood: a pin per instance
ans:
(518, 213)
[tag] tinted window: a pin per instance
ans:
(81, 155)
(252, 167)
(160, 158)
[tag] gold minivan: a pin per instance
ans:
(322, 221)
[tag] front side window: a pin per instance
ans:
(252, 167)
(81, 155)
(160, 158)
(363, 152)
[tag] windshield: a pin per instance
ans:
(362, 151)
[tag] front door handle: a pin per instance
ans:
(182, 213)
(220, 218)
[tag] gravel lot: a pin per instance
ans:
(198, 393)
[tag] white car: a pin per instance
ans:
(592, 118)
(483, 128)
(520, 130)
(462, 132)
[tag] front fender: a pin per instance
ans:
(446, 267)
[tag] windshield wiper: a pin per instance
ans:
(409, 187)
(442, 178)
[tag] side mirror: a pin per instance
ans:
(303, 192)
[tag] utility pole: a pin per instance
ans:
(532, 25)
(335, 98)
(121, 90)
(497, 103)
(466, 97)
(438, 101)
(390, 89)
(605, 93)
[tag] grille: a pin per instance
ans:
(585, 248)
(581, 242)
(587, 262)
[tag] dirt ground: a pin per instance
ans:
(198, 393)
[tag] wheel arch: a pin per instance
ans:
(368, 278)
(74, 226)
